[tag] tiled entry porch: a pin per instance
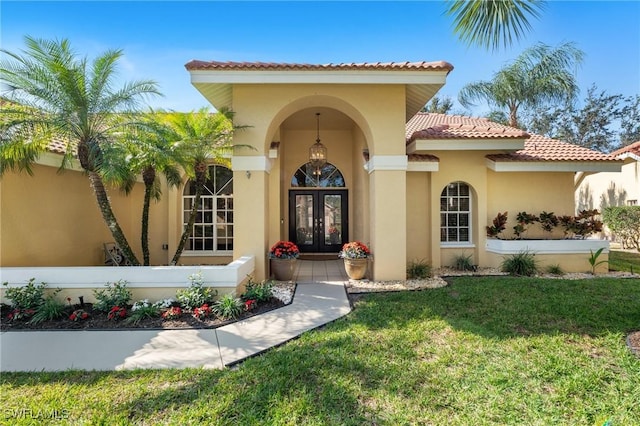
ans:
(318, 271)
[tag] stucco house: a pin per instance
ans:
(411, 185)
(604, 189)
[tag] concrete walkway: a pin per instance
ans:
(320, 298)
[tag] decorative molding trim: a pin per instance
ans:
(254, 163)
(552, 166)
(230, 275)
(319, 77)
(423, 166)
(388, 162)
(546, 246)
(54, 160)
(428, 145)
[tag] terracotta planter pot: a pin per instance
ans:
(356, 268)
(283, 269)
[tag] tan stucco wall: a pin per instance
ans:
(548, 191)
(419, 231)
(604, 189)
(52, 219)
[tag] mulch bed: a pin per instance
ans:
(98, 320)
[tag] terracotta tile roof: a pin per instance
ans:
(426, 125)
(541, 148)
(634, 149)
(536, 147)
(423, 158)
(274, 66)
(57, 146)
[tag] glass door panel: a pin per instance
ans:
(304, 219)
(318, 220)
(332, 204)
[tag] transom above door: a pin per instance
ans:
(318, 219)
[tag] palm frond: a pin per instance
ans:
(492, 23)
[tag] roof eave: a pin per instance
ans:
(554, 166)
(216, 85)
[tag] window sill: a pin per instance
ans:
(457, 245)
(207, 254)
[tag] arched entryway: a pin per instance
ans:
(318, 209)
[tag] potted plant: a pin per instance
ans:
(356, 259)
(283, 255)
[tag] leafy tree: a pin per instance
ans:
(630, 121)
(539, 76)
(595, 125)
(491, 23)
(57, 95)
(438, 105)
(203, 138)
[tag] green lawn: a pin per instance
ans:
(518, 351)
(624, 261)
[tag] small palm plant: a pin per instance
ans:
(593, 259)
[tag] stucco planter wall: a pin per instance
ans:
(546, 246)
(570, 255)
(152, 282)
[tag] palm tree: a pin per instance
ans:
(540, 75)
(148, 152)
(490, 23)
(203, 138)
(58, 95)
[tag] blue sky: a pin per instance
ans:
(159, 37)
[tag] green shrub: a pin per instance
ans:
(554, 270)
(50, 309)
(29, 296)
(196, 294)
(115, 294)
(520, 264)
(624, 222)
(418, 269)
(142, 310)
(260, 292)
(228, 307)
(463, 262)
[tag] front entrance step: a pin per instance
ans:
(318, 256)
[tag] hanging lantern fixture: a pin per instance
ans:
(317, 152)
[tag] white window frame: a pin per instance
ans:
(445, 195)
(209, 198)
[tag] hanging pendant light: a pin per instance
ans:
(318, 152)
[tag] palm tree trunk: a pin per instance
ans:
(145, 225)
(187, 230)
(107, 214)
(149, 177)
(200, 170)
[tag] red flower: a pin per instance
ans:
(84, 315)
(72, 317)
(249, 304)
(284, 250)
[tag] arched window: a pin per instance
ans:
(455, 213)
(308, 176)
(212, 231)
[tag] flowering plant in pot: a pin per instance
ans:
(283, 255)
(354, 250)
(355, 255)
(284, 250)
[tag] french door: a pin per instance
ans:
(318, 220)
